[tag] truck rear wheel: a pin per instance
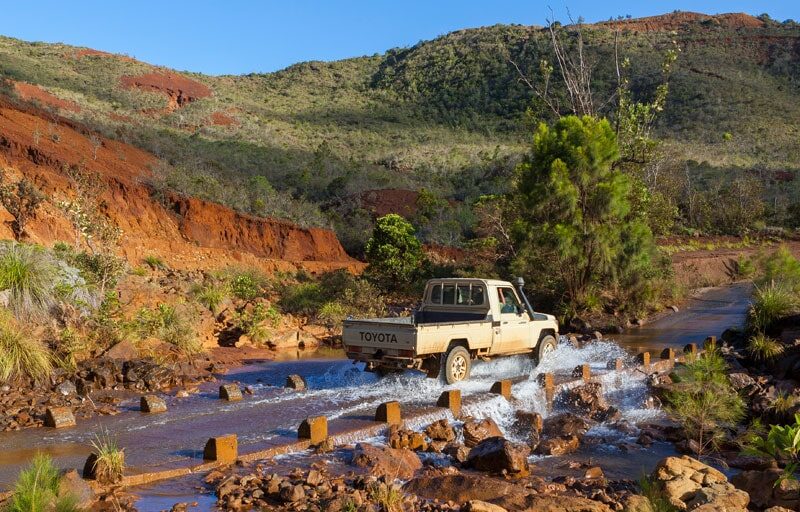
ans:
(456, 365)
(547, 345)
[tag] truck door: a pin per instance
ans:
(515, 328)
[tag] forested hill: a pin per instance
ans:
(447, 115)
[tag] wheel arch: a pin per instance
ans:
(459, 342)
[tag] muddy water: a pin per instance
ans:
(341, 390)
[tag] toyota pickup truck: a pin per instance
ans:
(460, 320)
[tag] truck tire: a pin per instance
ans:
(456, 365)
(545, 347)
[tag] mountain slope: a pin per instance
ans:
(448, 115)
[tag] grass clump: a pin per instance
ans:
(769, 304)
(258, 322)
(654, 492)
(763, 348)
(171, 324)
(21, 353)
(29, 277)
(154, 262)
(248, 284)
(36, 489)
(210, 295)
(109, 463)
(388, 497)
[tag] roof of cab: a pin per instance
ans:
(489, 282)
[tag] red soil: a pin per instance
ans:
(179, 89)
(186, 233)
(677, 21)
(220, 119)
(30, 92)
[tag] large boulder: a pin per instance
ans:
(440, 431)
(476, 431)
(385, 461)
(566, 424)
(561, 445)
(691, 485)
(765, 491)
(499, 455)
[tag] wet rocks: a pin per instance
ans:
(396, 463)
(587, 399)
(476, 431)
(59, 417)
(689, 484)
(561, 445)
(404, 438)
(562, 434)
(230, 392)
(501, 456)
(441, 431)
(296, 382)
(152, 404)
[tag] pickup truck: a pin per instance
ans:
(460, 320)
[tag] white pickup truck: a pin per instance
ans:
(460, 320)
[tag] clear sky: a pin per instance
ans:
(237, 36)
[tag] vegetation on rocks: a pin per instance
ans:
(37, 489)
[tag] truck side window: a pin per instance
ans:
(436, 294)
(510, 302)
(463, 295)
(477, 295)
(449, 294)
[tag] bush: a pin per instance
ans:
(782, 269)
(258, 322)
(29, 276)
(393, 253)
(302, 298)
(332, 314)
(745, 268)
(154, 262)
(21, 353)
(769, 304)
(782, 443)
(36, 489)
(248, 285)
(763, 348)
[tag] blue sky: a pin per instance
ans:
(236, 36)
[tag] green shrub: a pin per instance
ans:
(258, 322)
(389, 497)
(110, 463)
(745, 267)
(29, 276)
(332, 314)
(21, 353)
(302, 298)
(248, 285)
(763, 348)
(770, 303)
(781, 443)
(394, 254)
(36, 489)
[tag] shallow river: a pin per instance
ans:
(339, 389)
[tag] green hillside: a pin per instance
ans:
(447, 115)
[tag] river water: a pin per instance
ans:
(340, 390)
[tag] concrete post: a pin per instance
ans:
(452, 400)
(224, 449)
(644, 359)
(668, 354)
(314, 428)
(502, 387)
(389, 412)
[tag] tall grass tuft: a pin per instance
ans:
(36, 489)
(110, 462)
(763, 348)
(655, 495)
(29, 276)
(210, 295)
(770, 303)
(21, 353)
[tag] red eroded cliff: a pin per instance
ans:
(184, 232)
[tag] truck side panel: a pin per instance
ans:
(435, 339)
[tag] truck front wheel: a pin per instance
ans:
(456, 365)
(547, 345)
